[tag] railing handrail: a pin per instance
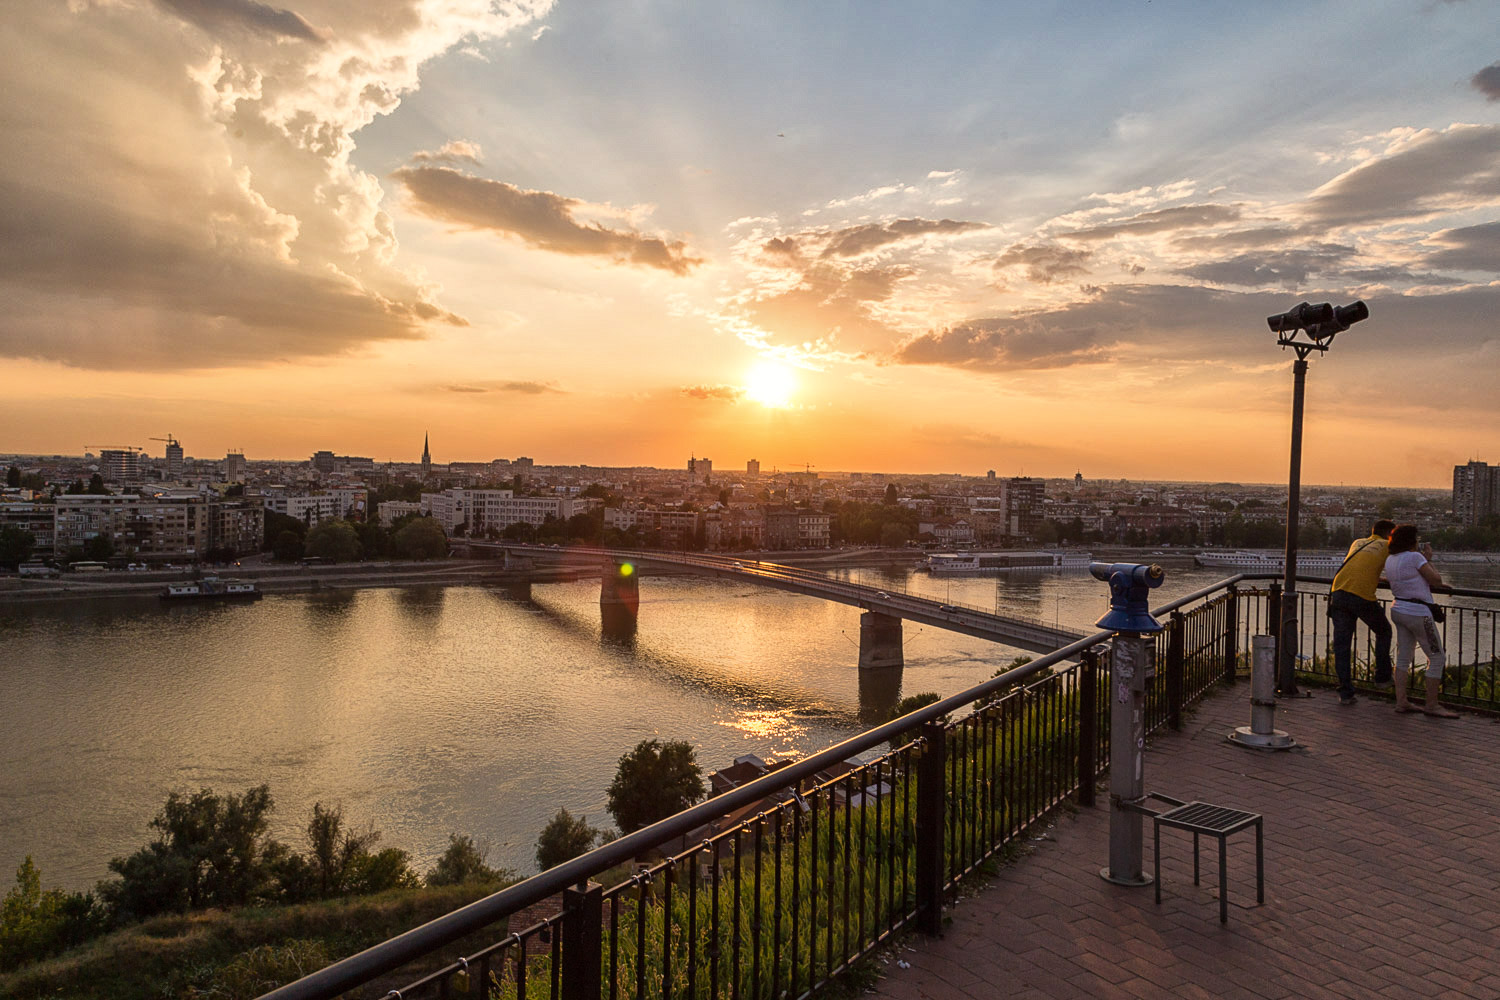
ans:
(1437, 591)
(397, 951)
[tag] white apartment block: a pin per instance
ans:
(160, 528)
(481, 511)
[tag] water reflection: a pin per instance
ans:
(879, 694)
(619, 627)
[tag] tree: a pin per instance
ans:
(890, 494)
(99, 548)
(893, 535)
(908, 705)
(333, 540)
(654, 781)
(275, 524)
(463, 862)
(13, 477)
(36, 923)
(287, 547)
(16, 545)
(342, 861)
(97, 487)
(208, 852)
(423, 538)
(564, 838)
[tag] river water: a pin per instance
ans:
(426, 711)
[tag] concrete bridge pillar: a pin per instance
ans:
(514, 561)
(518, 590)
(879, 641)
(618, 587)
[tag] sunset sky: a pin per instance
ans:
(939, 237)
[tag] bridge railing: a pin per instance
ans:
(777, 887)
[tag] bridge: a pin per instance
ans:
(880, 630)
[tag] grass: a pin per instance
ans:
(232, 954)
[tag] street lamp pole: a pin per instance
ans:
(1319, 323)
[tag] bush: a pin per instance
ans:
(423, 538)
(464, 861)
(906, 706)
(35, 924)
(564, 838)
(336, 541)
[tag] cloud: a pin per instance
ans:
(522, 388)
(1004, 345)
(539, 218)
(1472, 248)
(857, 240)
(178, 188)
(1288, 269)
(1162, 220)
(1487, 81)
(1422, 175)
(213, 15)
(454, 151)
(728, 393)
(1045, 264)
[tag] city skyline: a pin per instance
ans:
(933, 240)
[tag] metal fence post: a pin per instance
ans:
(582, 937)
(1231, 635)
(1174, 669)
(1088, 725)
(931, 834)
(1273, 615)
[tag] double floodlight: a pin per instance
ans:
(1320, 322)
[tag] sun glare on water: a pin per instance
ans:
(771, 384)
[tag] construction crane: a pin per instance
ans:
(169, 438)
(112, 447)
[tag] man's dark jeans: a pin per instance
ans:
(1346, 609)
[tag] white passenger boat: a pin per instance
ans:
(211, 588)
(1006, 561)
(1259, 560)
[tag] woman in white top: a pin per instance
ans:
(1412, 578)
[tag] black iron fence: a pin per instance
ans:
(775, 888)
(1469, 636)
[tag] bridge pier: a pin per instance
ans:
(513, 561)
(879, 641)
(619, 587)
(518, 590)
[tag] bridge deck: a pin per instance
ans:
(1030, 635)
(1381, 843)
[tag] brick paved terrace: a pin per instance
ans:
(1382, 853)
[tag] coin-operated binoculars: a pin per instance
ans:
(1130, 585)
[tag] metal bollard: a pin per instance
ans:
(1262, 733)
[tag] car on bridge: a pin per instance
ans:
(948, 608)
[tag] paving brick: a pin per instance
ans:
(1380, 875)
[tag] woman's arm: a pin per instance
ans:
(1432, 576)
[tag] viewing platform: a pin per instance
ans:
(1382, 834)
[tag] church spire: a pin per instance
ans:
(426, 456)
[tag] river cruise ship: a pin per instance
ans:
(1005, 562)
(211, 588)
(1260, 561)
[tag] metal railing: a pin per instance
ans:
(775, 888)
(1471, 639)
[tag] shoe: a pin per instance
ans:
(1346, 701)
(1385, 685)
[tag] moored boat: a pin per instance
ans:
(1006, 561)
(211, 588)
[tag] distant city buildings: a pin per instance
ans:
(752, 468)
(173, 460)
(234, 467)
(121, 466)
(1476, 491)
(700, 470)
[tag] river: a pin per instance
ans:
(425, 711)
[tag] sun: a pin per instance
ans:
(771, 384)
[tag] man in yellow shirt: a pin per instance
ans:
(1353, 600)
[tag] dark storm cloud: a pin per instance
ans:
(856, 240)
(1434, 172)
(1163, 220)
(1045, 264)
(258, 17)
(1487, 81)
(1473, 248)
(539, 218)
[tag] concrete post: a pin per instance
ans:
(1262, 733)
(879, 641)
(618, 586)
(1129, 662)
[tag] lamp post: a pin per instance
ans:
(1304, 328)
